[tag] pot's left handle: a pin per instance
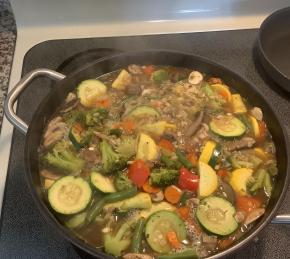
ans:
(16, 91)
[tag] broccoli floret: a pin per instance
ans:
(163, 177)
(96, 117)
(127, 147)
(116, 243)
(122, 182)
(111, 160)
(74, 116)
(63, 158)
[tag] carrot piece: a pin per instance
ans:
(192, 158)
(172, 239)
(183, 212)
(105, 103)
(222, 173)
(262, 128)
(166, 144)
(128, 126)
(149, 188)
(148, 70)
(172, 194)
(247, 204)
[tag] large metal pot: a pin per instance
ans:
(65, 84)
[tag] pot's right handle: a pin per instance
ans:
(16, 91)
(281, 219)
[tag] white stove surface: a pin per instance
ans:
(40, 20)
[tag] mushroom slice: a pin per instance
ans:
(257, 113)
(157, 197)
(254, 215)
(195, 78)
(135, 69)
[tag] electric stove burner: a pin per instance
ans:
(82, 58)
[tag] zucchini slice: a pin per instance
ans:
(208, 181)
(227, 126)
(143, 111)
(146, 148)
(238, 105)
(158, 225)
(123, 79)
(216, 215)
(210, 153)
(102, 183)
(90, 91)
(69, 195)
(239, 180)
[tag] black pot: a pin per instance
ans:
(67, 83)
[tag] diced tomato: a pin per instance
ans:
(139, 172)
(148, 70)
(222, 173)
(187, 180)
(247, 204)
(166, 144)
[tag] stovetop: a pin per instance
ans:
(24, 232)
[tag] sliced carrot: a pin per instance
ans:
(172, 239)
(183, 212)
(105, 103)
(127, 125)
(148, 70)
(192, 158)
(222, 173)
(149, 188)
(166, 144)
(172, 194)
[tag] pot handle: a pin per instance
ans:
(281, 219)
(17, 90)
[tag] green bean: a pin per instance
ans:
(97, 207)
(183, 160)
(122, 195)
(188, 254)
(137, 236)
(95, 210)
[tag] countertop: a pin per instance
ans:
(7, 44)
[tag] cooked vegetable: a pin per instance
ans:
(102, 183)
(172, 194)
(69, 195)
(195, 78)
(111, 160)
(163, 177)
(255, 127)
(77, 136)
(149, 188)
(245, 159)
(139, 172)
(127, 147)
(247, 204)
(238, 105)
(227, 126)
(163, 205)
(116, 132)
(157, 128)
(122, 81)
(159, 76)
(239, 180)
(77, 220)
(64, 159)
(187, 180)
(137, 236)
(217, 215)
(208, 181)
(157, 227)
(90, 91)
(169, 162)
(167, 145)
(146, 148)
(258, 180)
(96, 117)
(140, 201)
(143, 111)
(223, 91)
(183, 160)
(210, 153)
(268, 185)
(122, 182)
(116, 243)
